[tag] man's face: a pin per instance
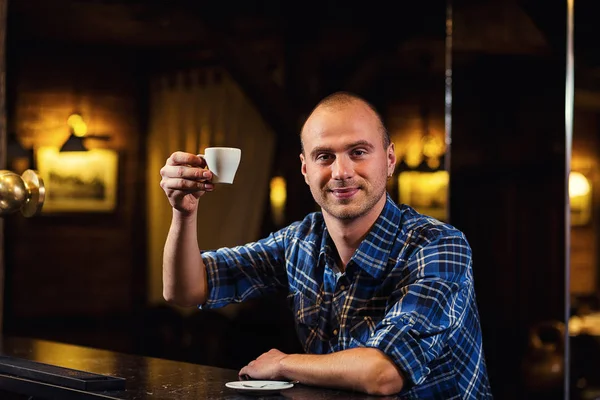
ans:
(344, 161)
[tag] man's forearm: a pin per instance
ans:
(365, 370)
(184, 273)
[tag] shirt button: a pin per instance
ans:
(335, 331)
(342, 287)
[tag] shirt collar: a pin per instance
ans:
(373, 253)
(327, 248)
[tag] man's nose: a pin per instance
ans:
(342, 168)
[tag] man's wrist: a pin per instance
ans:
(285, 366)
(184, 218)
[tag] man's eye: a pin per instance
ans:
(358, 152)
(323, 157)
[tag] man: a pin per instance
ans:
(382, 296)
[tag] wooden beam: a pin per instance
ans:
(385, 39)
(269, 98)
(549, 19)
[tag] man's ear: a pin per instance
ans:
(303, 167)
(391, 159)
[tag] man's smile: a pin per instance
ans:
(344, 193)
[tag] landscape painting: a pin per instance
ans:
(83, 181)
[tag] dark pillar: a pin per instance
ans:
(507, 195)
(2, 141)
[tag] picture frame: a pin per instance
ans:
(83, 181)
(426, 192)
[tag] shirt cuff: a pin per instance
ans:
(406, 351)
(211, 275)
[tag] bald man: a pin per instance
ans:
(383, 296)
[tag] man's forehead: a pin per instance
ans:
(330, 116)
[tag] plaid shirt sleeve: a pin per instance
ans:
(430, 306)
(243, 272)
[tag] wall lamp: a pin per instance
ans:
(580, 198)
(278, 196)
(78, 129)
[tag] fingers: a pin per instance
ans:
(246, 371)
(185, 185)
(185, 172)
(185, 179)
(182, 158)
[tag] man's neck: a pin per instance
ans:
(347, 235)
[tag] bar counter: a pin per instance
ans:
(146, 377)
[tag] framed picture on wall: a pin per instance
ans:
(426, 192)
(83, 181)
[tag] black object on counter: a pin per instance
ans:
(59, 376)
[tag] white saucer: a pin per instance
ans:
(259, 387)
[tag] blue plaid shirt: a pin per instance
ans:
(407, 291)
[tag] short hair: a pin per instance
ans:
(341, 99)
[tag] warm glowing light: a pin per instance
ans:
(278, 191)
(413, 155)
(74, 119)
(81, 358)
(433, 146)
(416, 149)
(578, 184)
(278, 198)
(425, 191)
(433, 163)
(580, 198)
(80, 129)
(77, 125)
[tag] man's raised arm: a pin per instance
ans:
(184, 181)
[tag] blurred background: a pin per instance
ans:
(476, 95)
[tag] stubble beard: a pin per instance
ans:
(343, 209)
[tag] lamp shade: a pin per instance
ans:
(73, 143)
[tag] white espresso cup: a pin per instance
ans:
(223, 162)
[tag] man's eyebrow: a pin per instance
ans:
(325, 149)
(359, 143)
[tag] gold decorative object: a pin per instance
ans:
(25, 193)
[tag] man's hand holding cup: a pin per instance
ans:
(186, 177)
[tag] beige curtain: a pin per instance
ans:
(191, 111)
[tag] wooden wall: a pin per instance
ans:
(78, 271)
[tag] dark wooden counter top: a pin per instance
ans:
(147, 378)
